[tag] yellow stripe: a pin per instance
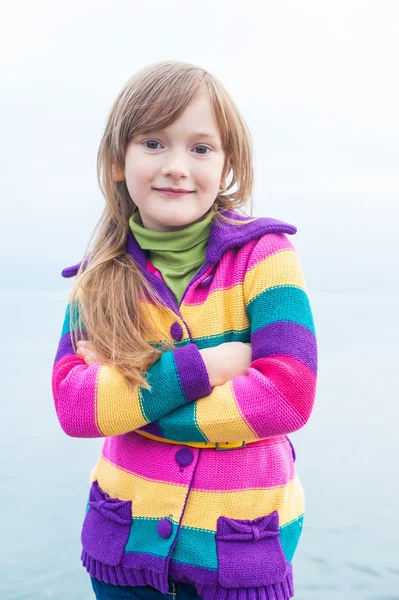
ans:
(163, 320)
(222, 311)
(118, 408)
(155, 499)
(212, 412)
(282, 268)
(204, 508)
(149, 498)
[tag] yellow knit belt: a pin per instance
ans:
(217, 445)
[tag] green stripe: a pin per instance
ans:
(233, 335)
(284, 303)
(144, 538)
(182, 419)
(196, 547)
(289, 537)
(164, 377)
(75, 317)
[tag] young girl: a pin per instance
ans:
(189, 345)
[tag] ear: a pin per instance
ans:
(117, 173)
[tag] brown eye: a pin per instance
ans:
(203, 148)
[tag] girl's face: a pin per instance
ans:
(187, 155)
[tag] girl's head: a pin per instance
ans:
(173, 125)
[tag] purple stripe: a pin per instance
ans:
(186, 572)
(135, 570)
(193, 373)
(143, 570)
(153, 428)
(286, 338)
(224, 235)
(65, 345)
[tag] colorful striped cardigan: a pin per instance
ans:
(198, 484)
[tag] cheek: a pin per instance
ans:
(139, 176)
(209, 176)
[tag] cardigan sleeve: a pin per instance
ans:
(277, 394)
(94, 400)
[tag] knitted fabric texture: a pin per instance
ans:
(227, 522)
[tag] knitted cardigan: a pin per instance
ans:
(161, 503)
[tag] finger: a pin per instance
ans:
(85, 343)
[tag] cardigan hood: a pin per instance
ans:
(222, 236)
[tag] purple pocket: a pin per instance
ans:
(106, 527)
(250, 552)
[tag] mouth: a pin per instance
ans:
(173, 191)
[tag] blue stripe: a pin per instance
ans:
(284, 303)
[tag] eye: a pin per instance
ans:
(151, 142)
(203, 148)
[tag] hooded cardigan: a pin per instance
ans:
(195, 483)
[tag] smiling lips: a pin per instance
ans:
(173, 191)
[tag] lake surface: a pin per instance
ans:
(347, 457)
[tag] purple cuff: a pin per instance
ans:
(192, 371)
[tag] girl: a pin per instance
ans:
(189, 345)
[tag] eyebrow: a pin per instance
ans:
(194, 134)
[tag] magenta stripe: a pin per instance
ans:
(234, 265)
(74, 390)
(268, 245)
(275, 416)
(215, 471)
(148, 458)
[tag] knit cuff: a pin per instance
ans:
(193, 373)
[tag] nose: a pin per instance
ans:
(175, 166)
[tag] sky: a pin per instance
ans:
(315, 81)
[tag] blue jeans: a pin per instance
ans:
(177, 591)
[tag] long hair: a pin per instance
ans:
(114, 301)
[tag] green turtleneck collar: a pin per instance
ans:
(177, 254)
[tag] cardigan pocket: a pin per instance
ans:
(249, 552)
(106, 526)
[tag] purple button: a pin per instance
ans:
(184, 457)
(206, 281)
(176, 331)
(165, 528)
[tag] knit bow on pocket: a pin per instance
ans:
(249, 552)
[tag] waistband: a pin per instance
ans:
(217, 445)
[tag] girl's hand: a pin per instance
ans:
(226, 361)
(86, 351)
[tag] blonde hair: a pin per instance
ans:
(111, 294)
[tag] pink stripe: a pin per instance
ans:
(268, 245)
(154, 270)
(74, 390)
(293, 379)
(271, 404)
(263, 464)
(235, 263)
(229, 272)
(147, 458)
(267, 463)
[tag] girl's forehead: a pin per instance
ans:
(203, 134)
